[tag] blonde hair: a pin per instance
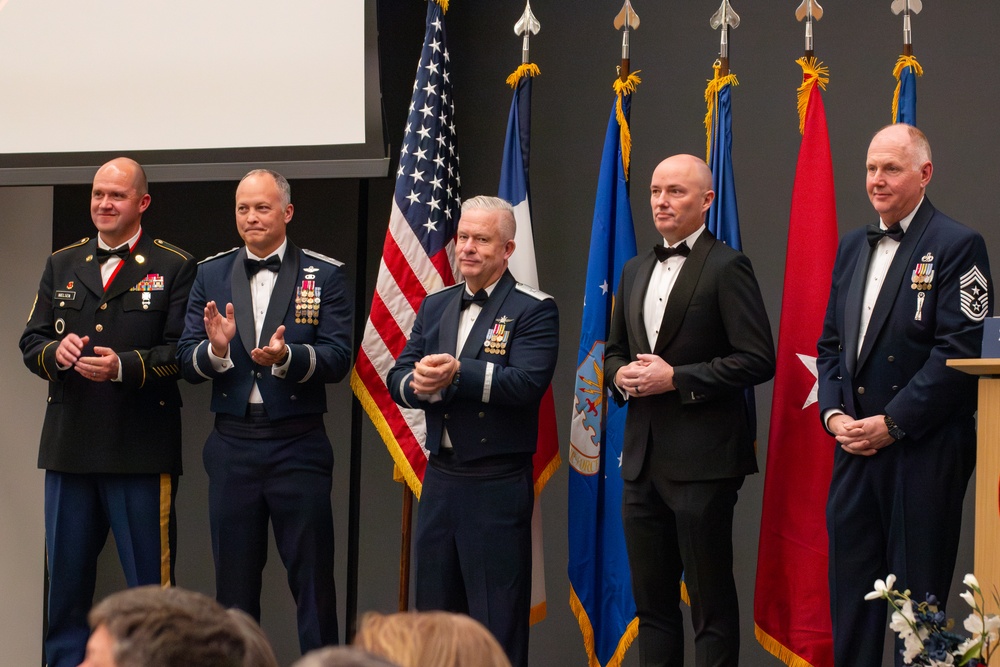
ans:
(438, 638)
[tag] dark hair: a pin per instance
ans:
(168, 627)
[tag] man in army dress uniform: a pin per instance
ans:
(103, 332)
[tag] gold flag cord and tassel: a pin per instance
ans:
(715, 84)
(622, 88)
(813, 73)
(901, 64)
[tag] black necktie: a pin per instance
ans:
(876, 234)
(272, 263)
(103, 255)
(479, 297)
(664, 253)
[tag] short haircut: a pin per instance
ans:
(508, 225)
(341, 656)
(168, 627)
(284, 188)
(438, 638)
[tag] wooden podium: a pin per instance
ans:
(987, 550)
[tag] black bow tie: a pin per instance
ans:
(479, 297)
(664, 253)
(272, 263)
(876, 234)
(103, 254)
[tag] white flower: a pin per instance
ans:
(971, 581)
(882, 588)
(903, 621)
(968, 597)
(976, 625)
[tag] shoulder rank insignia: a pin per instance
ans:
(532, 291)
(316, 255)
(218, 255)
(975, 300)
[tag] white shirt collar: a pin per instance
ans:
(905, 222)
(280, 252)
(131, 242)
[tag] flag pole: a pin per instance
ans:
(406, 539)
(725, 18)
(809, 10)
(629, 20)
(904, 98)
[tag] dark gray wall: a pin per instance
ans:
(577, 51)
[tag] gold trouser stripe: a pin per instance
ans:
(166, 484)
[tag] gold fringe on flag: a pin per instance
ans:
(524, 69)
(813, 72)
(631, 632)
(715, 84)
(444, 5)
(623, 88)
(775, 648)
(897, 71)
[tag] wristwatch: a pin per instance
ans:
(894, 431)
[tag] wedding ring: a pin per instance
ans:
(94, 374)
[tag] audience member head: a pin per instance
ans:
(152, 626)
(258, 649)
(438, 638)
(341, 656)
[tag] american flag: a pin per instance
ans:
(418, 256)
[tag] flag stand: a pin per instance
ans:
(406, 531)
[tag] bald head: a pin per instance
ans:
(118, 199)
(680, 195)
(898, 171)
(129, 169)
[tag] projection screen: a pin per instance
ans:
(193, 89)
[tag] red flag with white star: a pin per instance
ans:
(792, 600)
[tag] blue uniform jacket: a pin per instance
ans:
(493, 409)
(930, 309)
(319, 338)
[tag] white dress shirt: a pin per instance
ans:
(261, 286)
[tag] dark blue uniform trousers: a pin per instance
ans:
(278, 471)
(79, 511)
(473, 544)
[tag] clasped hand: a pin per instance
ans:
(434, 373)
(862, 437)
(648, 374)
(99, 368)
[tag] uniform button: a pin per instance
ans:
(861, 390)
(891, 358)
(49, 399)
(162, 403)
(260, 375)
(482, 414)
(895, 387)
(447, 416)
(99, 328)
(293, 397)
(62, 304)
(104, 306)
(483, 441)
(225, 395)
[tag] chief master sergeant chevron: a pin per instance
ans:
(480, 356)
(103, 332)
(270, 325)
